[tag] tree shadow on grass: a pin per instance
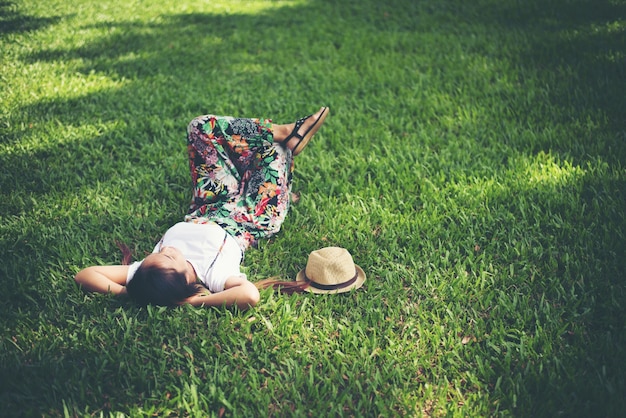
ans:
(570, 46)
(13, 21)
(572, 285)
(575, 49)
(122, 361)
(574, 55)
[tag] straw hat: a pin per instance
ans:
(331, 270)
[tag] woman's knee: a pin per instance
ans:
(198, 125)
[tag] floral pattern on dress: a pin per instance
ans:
(241, 178)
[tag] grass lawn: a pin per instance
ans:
(474, 164)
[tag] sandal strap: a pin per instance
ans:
(294, 132)
(307, 134)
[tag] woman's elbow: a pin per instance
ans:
(250, 297)
(81, 275)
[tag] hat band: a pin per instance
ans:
(331, 286)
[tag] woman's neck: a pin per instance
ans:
(191, 275)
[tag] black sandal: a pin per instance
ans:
(304, 139)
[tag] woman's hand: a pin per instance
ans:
(237, 291)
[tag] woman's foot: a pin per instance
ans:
(295, 136)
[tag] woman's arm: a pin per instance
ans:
(237, 291)
(103, 279)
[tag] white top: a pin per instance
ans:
(200, 244)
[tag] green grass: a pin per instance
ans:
(474, 164)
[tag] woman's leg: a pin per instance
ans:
(241, 176)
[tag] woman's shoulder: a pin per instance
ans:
(132, 269)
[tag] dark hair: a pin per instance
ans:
(152, 284)
(285, 286)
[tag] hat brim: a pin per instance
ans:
(357, 283)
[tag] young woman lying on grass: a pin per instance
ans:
(241, 171)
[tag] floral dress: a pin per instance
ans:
(241, 178)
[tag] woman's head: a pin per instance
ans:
(162, 279)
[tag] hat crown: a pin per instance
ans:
(330, 265)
